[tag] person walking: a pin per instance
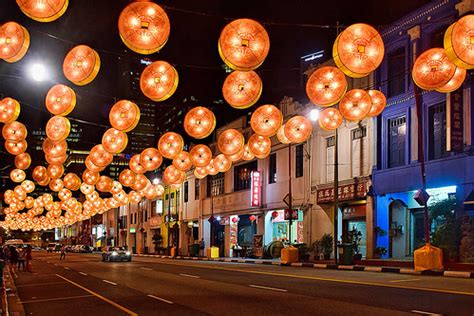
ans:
(201, 247)
(13, 259)
(21, 259)
(63, 253)
(29, 258)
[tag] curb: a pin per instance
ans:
(452, 274)
(14, 304)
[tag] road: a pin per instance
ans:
(84, 285)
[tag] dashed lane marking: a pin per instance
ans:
(148, 269)
(425, 313)
(67, 268)
(110, 282)
(267, 288)
(160, 299)
(82, 273)
(189, 275)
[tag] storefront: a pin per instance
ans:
(278, 228)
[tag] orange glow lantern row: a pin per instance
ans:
(135, 165)
(183, 161)
(58, 128)
(199, 122)
(330, 119)
(14, 131)
(9, 110)
(43, 10)
(433, 69)
(243, 44)
(81, 65)
(298, 129)
(159, 81)
(114, 141)
(260, 146)
(378, 102)
(54, 148)
(14, 42)
(144, 27)
(230, 142)
(355, 105)
(242, 89)
(326, 86)
(281, 135)
(23, 161)
(222, 163)
(124, 115)
(127, 177)
(266, 120)
(55, 160)
(458, 42)
(358, 50)
(16, 148)
(151, 159)
(200, 155)
(60, 100)
(170, 144)
(456, 81)
(100, 157)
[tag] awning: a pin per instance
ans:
(469, 202)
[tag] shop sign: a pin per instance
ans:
(255, 188)
(345, 192)
(224, 221)
(454, 121)
(133, 230)
(293, 214)
(353, 211)
(258, 245)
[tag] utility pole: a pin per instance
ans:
(290, 203)
(336, 194)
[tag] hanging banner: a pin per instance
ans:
(258, 245)
(255, 189)
(454, 121)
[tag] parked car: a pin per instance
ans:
(53, 247)
(85, 249)
(76, 248)
(116, 254)
(68, 248)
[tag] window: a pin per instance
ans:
(396, 72)
(437, 37)
(330, 146)
(299, 161)
(196, 188)
(272, 169)
(437, 131)
(242, 175)
(396, 141)
(215, 185)
(359, 148)
(153, 209)
(186, 191)
(171, 201)
(135, 218)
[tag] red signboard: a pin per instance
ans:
(345, 192)
(293, 214)
(255, 189)
(354, 211)
(454, 122)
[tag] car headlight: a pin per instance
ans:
(114, 253)
(128, 253)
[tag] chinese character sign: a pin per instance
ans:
(255, 189)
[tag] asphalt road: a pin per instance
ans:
(84, 285)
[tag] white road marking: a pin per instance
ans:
(82, 273)
(404, 280)
(67, 268)
(160, 299)
(189, 275)
(148, 269)
(425, 313)
(268, 288)
(110, 282)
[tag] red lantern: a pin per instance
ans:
(326, 86)
(378, 102)
(252, 218)
(230, 142)
(124, 115)
(274, 214)
(114, 141)
(159, 81)
(14, 42)
(60, 100)
(58, 128)
(43, 10)
(455, 82)
(298, 129)
(244, 44)
(183, 161)
(135, 165)
(23, 161)
(200, 155)
(151, 159)
(458, 43)
(100, 157)
(432, 69)
(281, 135)
(260, 146)
(235, 219)
(330, 119)
(14, 131)
(81, 65)
(358, 50)
(9, 110)
(242, 89)
(266, 120)
(199, 122)
(54, 148)
(170, 144)
(144, 27)
(355, 105)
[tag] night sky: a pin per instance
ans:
(296, 28)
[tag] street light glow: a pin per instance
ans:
(314, 115)
(38, 72)
(156, 181)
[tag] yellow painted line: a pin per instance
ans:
(404, 280)
(55, 299)
(126, 310)
(296, 276)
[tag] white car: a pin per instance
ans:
(116, 254)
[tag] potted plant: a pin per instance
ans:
(317, 249)
(355, 237)
(327, 246)
(157, 241)
(379, 232)
(379, 251)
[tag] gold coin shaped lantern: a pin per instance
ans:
(16, 148)
(378, 102)
(266, 120)
(55, 160)
(56, 185)
(458, 43)
(183, 161)
(260, 146)
(222, 163)
(281, 135)
(200, 172)
(124, 115)
(81, 65)
(230, 142)
(211, 169)
(43, 10)
(100, 157)
(248, 154)
(200, 155)
(244, 44)
(60, 100)
(159, 81)
(236, 157)
(54, 148)
(355, 105)
(151, 159)
(14, 42)
(104, 184)
(28, 185)
(326, 86)
(127, 177)
(433, 69)
(9, 110)
(171, 175)
(114, 141)
(358, 50)
(58, 128)
(44, 182)
(242, 89)
(330, 119)
(455, 82)
(144, 27)
(135, 165)
(39, 173)
(170, 144)
(298, 129)
(90, 177)
(55, 171)
(14, 131)
(72, 181)
(140, 182)
(91, 166)
(199, 122)
(17, 175)
(23, 161)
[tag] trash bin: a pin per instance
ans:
(346, 256)
(194, 250)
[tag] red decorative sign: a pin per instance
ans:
(454, 122)
(255, 189)
(354, 211)
(345, 192)
(293, 214)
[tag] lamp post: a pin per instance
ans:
(290, 203)
(336, 195)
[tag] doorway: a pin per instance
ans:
(397, 245)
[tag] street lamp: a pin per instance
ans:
(38, 72)
(156, 181)
(314, 115)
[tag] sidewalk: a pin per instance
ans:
(325, 265)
